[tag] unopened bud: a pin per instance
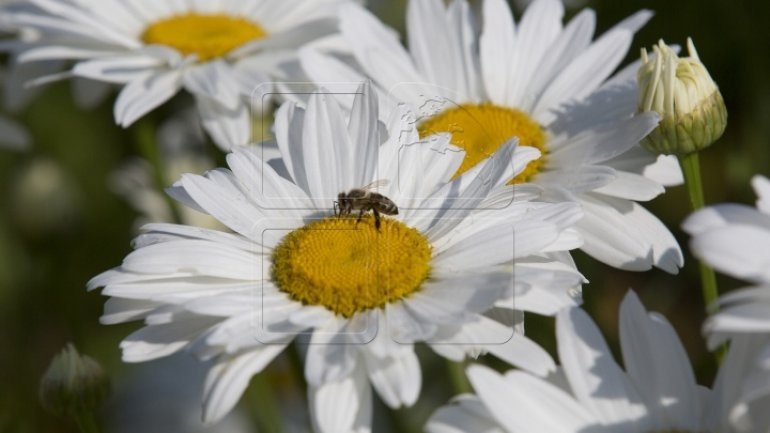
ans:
(73, 384)
(693, 113)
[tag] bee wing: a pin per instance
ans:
(377, 184)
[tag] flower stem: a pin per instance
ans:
(148, 147)
(691, 168)
(86, 422)
(262, 402)
(456, 370)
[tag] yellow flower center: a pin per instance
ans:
(350, 267)
(480, 129)
(207, 35)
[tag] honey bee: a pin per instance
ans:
(364, 199)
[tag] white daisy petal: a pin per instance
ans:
(119, 310)
(596, 380)
(468, 415)
(575, 38)
(761, 186)
(397, 379)
(585, 73)
(344, 406)
(157, 341)
(749, 259)
(363, 132)
(631, 186)
(145, 94)
(658, 365)
(213, 80)
(521, 403)
(229, 377)
(539, 28)
(377, 49)
(639, 240)
(723, 215)
(228, 128)
(497, 45)
(326, 168)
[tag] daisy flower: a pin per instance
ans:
(212, 49)
(362, 295)
(550, 85)
(656, 392)
(735, 240)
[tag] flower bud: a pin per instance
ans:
(73, 384)
(693, 113)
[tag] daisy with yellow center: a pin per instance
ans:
(219, 51)
(363, 294)
(539, 81)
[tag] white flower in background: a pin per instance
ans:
(656, 393)
(363, 296)
(73, 384)
(213, 49)
(743, 386)
(735, 240)
(547, 84)
(163, 397)
(182, 149)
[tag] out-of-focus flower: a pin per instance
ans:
(735, 240)
(692, 112)
(549, 85)
(656, 392)
(44, 199)
(163, 397)
(13, 136)
(73, 384)
(218, 51)
(182, 149)
(362, 294)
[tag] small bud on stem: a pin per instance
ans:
(693, 113)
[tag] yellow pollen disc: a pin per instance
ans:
(348, 267)
(207, 35)
(480, 129)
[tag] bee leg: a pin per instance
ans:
(360, 215)
(376, 219)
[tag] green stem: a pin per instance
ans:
(456, 370)
(149, 148)
(691, 168)
(86, 422)
(297, 366)
(265, 411)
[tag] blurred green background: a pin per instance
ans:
(60, 224)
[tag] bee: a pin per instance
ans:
(364, 199)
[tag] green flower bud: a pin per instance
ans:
(693, 113)
(73, 384)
